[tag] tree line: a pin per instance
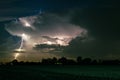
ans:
(64, 61)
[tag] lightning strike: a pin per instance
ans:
(16, 55)
(20, 50)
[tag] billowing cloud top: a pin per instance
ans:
(45, 29)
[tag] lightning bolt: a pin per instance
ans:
(20, 48)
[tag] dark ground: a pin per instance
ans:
(53, 73)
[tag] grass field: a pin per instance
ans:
(60, 72)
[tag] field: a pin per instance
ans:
(60, 72)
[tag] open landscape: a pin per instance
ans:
(59, 39)
(60, 72)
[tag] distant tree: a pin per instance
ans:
(110, 62)
(14, 62)
(1, 63)
(46, 61)
(99, 61)
(94, 62)
(54, 60)
(79, 59)
(62, 60)
(21, 62)
(86, 61)
(71, 62)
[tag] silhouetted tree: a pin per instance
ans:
(86, 61)
(21, 62)
(62, 60)
(46, 61)
(110, 62)
(79, 59)
(14, 62)
(65, 61)
(94, 62)
(70, 62)
(54, 60)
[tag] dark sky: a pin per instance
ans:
(100, 18)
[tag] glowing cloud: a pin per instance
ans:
(25, 37)
(27, 21)
(46, 29)
(24, 22)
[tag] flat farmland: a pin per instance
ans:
(60, 72)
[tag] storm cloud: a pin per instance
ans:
(46, 29)
(86, 28)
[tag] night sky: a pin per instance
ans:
(34, 29)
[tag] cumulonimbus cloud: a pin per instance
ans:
(45, 29)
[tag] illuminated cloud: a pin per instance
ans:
(45, 29)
